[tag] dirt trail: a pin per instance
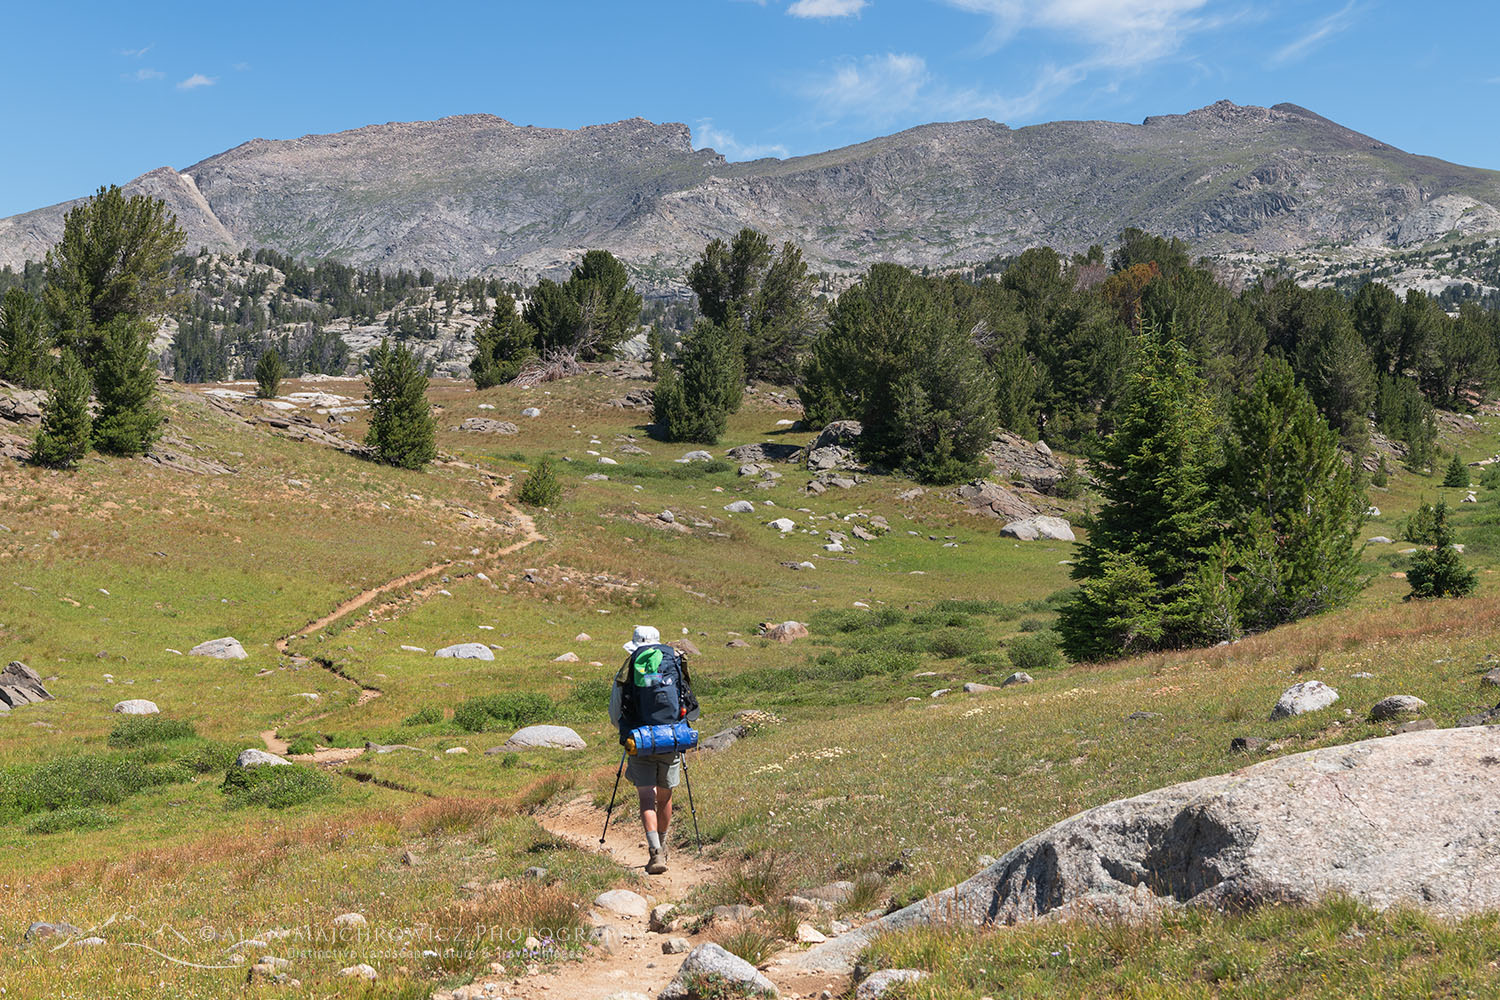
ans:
(499, 490)
(637, 964)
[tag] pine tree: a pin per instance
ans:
(402, 430)
(694, 405)
(542, 488)
(23, 342)
(1457, 474)
(1382, 474)
(269, 371)
(129, 420)
(1439, 571)
(655, 356)
(502, 346)
(1294, 503)
(66, 423)
(1158, 520)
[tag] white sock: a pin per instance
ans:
(653, 839)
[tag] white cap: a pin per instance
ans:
(645, 635)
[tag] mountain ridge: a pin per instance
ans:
(476, 193)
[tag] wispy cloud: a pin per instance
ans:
(197, 80)
(1318, 32)
(240, 67)
(882, 89)
(137, 53)
(143, 74)
(1120, 33)
(826, 8)
(706, 135)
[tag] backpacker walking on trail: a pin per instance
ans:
(653, 689)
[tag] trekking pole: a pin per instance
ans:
(612, 794)
(692, 808)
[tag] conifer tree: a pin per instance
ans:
(1294, 503)
(66, 423)
(1158, 520)
(1457, 474)
(1439, 571)
(502, 346)
(269, 371)
(542, 488)
(402, 430)
(129, 420)
(694, 405)
(24, 360)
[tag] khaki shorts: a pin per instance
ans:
(657, 770)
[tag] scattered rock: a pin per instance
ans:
(1293, 829)
(676, 946)
(1248, 744)
(48, 928)
(661, 917)
(552, 737)
(136, 706)
(566, 658)
(1015, 458)
(974, 687)
(531, 411)
(1492, 678)
(253, 757)
(667, 516)
(1415, 726)
(350, 920)
(1396, 706)
(623, 902)
(709, 962)
(834, 446)
(1308, 696)
(697, 456)
(227, 648)
(740, 507)
(1381, 540)
(733, 913)
(880, 984)
(466, 651)
(808, 934)
(1019, 677)
(20, 685)
(765, 452)
(360, 971)
(1484, 718)
(782, 524)
(834, 892)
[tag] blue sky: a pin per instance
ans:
(101, 93)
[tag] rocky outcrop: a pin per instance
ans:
(227, 648)
(710, 972)
(764, 452)
(20, 685)
(834, 446)
(1041, 526)
(1031, 462)
(544, 737)
(484, 425)
(993, 500)
(1409, 819)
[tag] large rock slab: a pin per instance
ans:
(1410, 819)
(993, 500)
(466, 651)
(136, 706)
(252, 757)
(708, 962)
(227, 648)
(20, 685)
(1041, 526)
(765, 452)
(553, 737)
(623, 903)
(484, 425)
(1031, 462)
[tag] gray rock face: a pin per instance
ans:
(993, 500)
(21, 406)
(1396, 706)
(20, 685)
(484, 425)
(136, 706)
(834, 446)
(711, 960)
(554, 737)
(764, 452)
(740, 507)
(1408, 819)
(1308, 696)
(1019, 677)
(466, 651)
(227, 648)
(1016, 458)
(1041, 526)
(251, 757)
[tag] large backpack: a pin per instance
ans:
(652, 689)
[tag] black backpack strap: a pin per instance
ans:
(689, 700)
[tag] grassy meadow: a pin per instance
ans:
(108, 575)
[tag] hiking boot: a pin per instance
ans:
(658, 863)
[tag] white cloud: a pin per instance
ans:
(826, 8)
(1119, 33)
(898, 85)
(1317, 33)
(241, 67)
(137, 53)
(197, 80)
(143, 74)
(706, 135)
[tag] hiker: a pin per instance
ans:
(653, 689)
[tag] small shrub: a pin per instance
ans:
(751, 943)
(83, 818)
(427, 715)
(470, 715)
(275, 786)
(1035, 651)
(302, 745)
(996, 609)
(510, 709)
(1032, 624)
(139, 730)
(542, 488)
(78, 781)
(953, 642)
(203, 757)
(1381, 477)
